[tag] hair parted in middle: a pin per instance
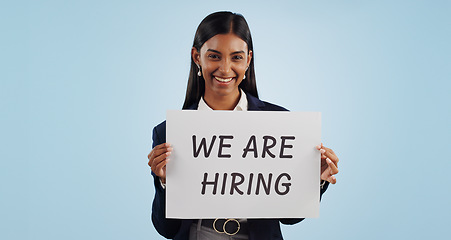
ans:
(212, 25)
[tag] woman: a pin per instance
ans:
(222, 77)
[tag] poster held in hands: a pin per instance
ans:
(228, 164)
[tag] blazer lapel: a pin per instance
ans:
(254, 104)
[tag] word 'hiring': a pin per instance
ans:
(237, 179)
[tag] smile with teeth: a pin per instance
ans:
(224, 80)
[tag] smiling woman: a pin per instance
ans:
(222, 77)
(223, 61)
(222, 40)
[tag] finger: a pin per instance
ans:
(160, 169)
(333, 167)
(324, 163)
(158, 160)
(325, 174)
(155, 153)
(332, 179)
(331, 155)
(322, 151)
(163, 145)
(160, 152)
(158, 148)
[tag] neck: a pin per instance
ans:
(227, 102)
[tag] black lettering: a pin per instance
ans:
(203, 144)
(214, 183)
(249, 188)
(253, 149)
(224, 181)
(283, 146)
(266, 147)
(223, 145)
(235, 184)
(261, 181)
(286, 185)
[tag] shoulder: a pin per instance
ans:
(255, 104)
(273, 107)
(160, 127)
(159, 134)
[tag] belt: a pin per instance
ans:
(227, 226)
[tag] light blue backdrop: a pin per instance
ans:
(84, 82)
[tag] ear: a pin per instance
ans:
(249, 57)
(195, 55)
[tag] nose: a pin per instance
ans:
(226, 66)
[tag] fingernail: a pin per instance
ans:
(318, 147)
(328, 160)
(168, 153)
(170, 149)
(322, 151)
(167, 145)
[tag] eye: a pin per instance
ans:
(237, 57)
(213, 56)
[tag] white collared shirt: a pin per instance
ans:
(241, 106)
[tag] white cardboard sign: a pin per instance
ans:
(228, 164)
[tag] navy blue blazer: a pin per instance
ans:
(178, 229)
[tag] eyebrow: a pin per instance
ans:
(212, 50)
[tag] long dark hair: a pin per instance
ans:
(213, 24)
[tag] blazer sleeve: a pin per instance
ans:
(164, 226)
(291, 221)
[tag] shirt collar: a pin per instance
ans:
(241, 106)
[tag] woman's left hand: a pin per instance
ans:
(329, 164)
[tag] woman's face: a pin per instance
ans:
(224, 60)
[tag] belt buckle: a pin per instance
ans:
(224, 226)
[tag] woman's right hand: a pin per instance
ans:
(158, 158)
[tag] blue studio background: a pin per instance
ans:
(84, 82)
